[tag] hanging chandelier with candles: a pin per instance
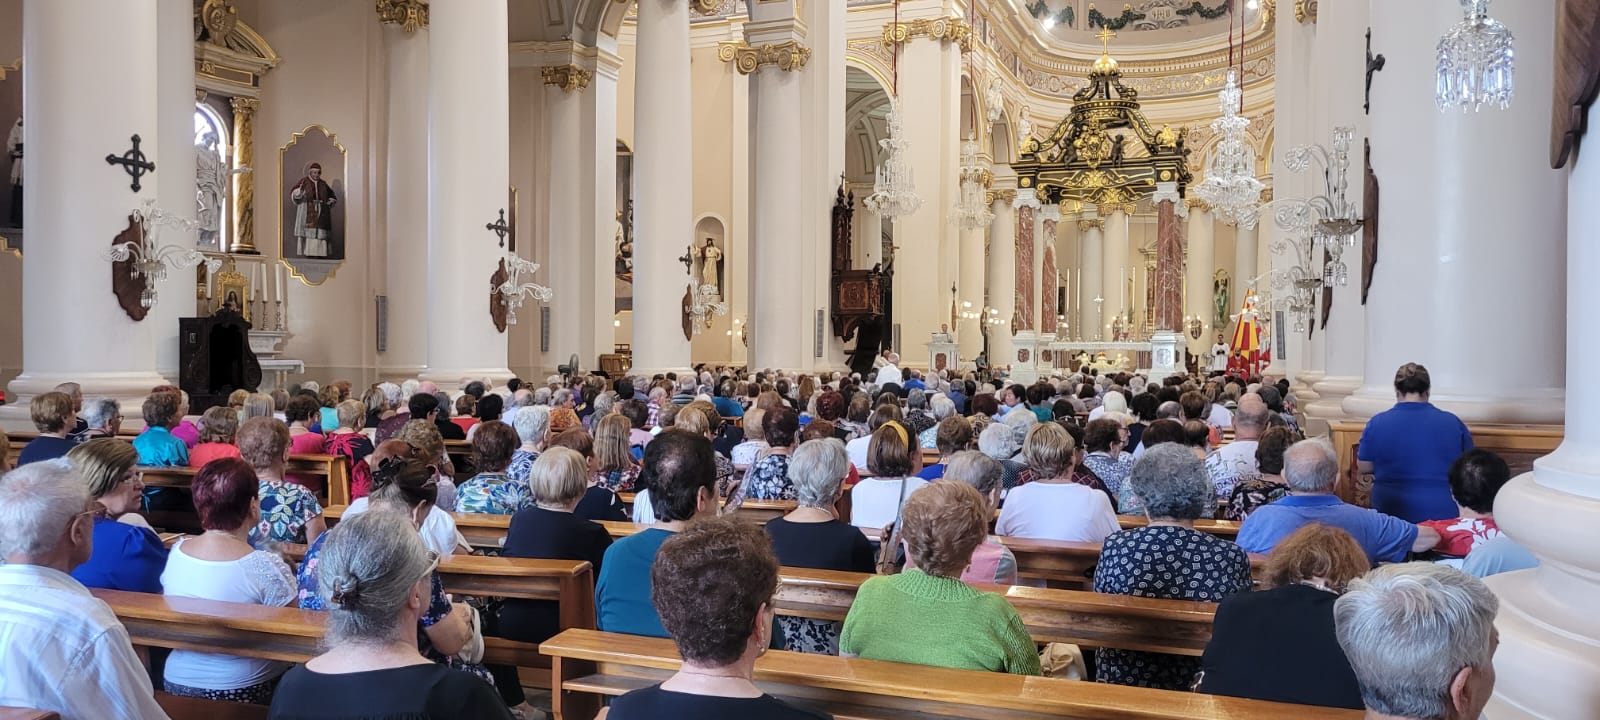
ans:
(894, 194)
(1477, 60)
(972, 209)
(1230, 186)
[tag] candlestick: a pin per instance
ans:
(279, 315)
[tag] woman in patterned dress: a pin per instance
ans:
(1269, 485)
(492, 490)
(290, 512)
(768, 479)
(615, 468)
(1167, 559)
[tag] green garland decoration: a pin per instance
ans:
(1038, 9)
(1098, 19)
(1198, 9)
(1066, 16)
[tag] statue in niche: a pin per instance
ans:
(1220, 297)
(212, 178)
(711, 267)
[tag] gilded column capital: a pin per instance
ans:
(951, 29)
(1195, 203)
(1305, 11)
(1266, 195)
(566, 77)
(1095, 224)
(1109, 208)
(410, 15)
(705, 7)
(787, 56)
(244, 105)
(1005, 195)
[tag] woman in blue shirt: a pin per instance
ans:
(157, 445)
(127, 554)
(1409, 449)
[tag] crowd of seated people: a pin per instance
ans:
(1012, 461)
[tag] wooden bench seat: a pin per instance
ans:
(16, 713)
(589, 666)
(188, 708)
(258, 631)
(756, 511)
(334, 469)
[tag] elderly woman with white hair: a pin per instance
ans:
(997, 441)
(1167, 559)
(533, 429)
(1113, 402)
(813, 536)
(942, 408)
(1421, 639)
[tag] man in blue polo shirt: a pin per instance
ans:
(1310, 468)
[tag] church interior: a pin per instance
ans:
(1074, 199)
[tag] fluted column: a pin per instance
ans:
(1199, 298)
(1091, 254)
(663, 181)
(1114, 264)
(1002, 251)
(406, 195)
(1549, 658)
(468, 178)
(1449, 252)
(76, 203)
(244, 188)
(774, 57)
(580, 102)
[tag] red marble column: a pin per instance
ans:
(1025, 301)
(1169, 265)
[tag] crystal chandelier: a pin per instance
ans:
(705, 307)
(893, 192)
(1230, 186)
(1328, 221)
(972, 209)
(519, 286)
(151, 261)
(1476, 61)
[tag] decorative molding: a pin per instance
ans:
(566, 77)
(219, 18)
(788, 55)
(951, 29)
(1197, 203)
(1305, 11)
(1109, 208)
(706, 7)
(1006, 195)
(410, 15)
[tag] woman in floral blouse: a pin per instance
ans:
(615, 468)
(1167, 559)
(492, 490)
(768, 479)
(1251, 493)
(290, 513)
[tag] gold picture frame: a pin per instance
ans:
(316, 257)
(230, 280)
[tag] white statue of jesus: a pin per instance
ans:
(212, 178)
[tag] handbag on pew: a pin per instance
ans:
(1063, 661)
(473, 652)
(889, 541)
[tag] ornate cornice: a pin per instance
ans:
(746, 58)
(1087, 225)
(951, 29)
(1305, 11)
(410, 15)
(1006, 195)
(566, 77)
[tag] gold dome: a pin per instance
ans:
(1105, 65)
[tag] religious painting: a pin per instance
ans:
(311, 204)
(11, 152)
(230, 290)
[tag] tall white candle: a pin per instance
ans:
(259, 276)
(278, 271)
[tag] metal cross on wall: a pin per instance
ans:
(1375, 63)
(499, 227)
(134, 162)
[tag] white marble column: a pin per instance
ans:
(580, 95)
(406, 201)
(1114, 266)
(780, 320)
(663, 174)
(1091, 253)
(76, 203)
(1201, 264)
(175, 185)
(468, 180)
(1002, 269)
(970, 289)
(1468, 238)
(1246, 255)
(1548, 664)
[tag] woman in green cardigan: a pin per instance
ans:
(927, 616)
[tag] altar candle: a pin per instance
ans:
(260, 281)
(278, 271)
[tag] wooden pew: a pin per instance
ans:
(335, 469)
(756, 511)
(1225, 529)
(589, 666)
(188, 708)
(16, 713)
(1519, 445)
(1069, 564)
(257, 631)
